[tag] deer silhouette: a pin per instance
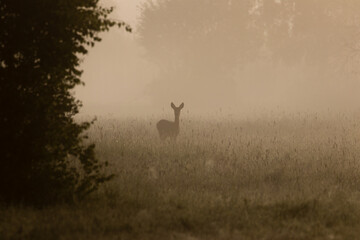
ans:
(168, 128)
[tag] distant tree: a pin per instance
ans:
(43, 158)
(197, 44)
(314, 32)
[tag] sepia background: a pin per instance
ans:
(241, 57)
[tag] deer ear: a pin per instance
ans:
(182, 105)
(173, 106)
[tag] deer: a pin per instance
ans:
(168, 128)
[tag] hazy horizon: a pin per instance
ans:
(121, 77)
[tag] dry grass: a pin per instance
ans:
(297, 177)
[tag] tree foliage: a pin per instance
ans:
(43, 157)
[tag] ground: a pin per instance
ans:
(289, 177)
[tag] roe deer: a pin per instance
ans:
(167, 128)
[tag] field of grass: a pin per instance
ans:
(294, 177)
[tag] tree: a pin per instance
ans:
(206, 44)
(43, 155)
(311, 31)
(197, 45)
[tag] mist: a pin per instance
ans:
(237, 58)
(207, 119)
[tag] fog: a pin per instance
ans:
(234, 57)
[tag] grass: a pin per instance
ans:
(295, 177)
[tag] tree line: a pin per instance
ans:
(205, 42)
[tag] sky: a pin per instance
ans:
(115, 72)
(126, 10)
(120, 79)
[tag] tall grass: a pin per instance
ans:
(295, 177)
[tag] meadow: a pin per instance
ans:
(288, 177)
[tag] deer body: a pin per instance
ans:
(168, 128)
